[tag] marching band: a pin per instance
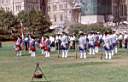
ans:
(88, 43)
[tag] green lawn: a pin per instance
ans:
(20, 69)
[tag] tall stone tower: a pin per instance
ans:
(120, 9)
(127, 9)
(44, 6)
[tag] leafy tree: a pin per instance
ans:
(34, 21)
(24, 18)
(7, 20)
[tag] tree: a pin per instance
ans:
(7, 20)
(34, 21)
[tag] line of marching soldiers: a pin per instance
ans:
(87, 43)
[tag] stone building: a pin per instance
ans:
(127, 8)
(62, 12)
(119, 10)
(59, 12)
(93, 11)
(18, 5)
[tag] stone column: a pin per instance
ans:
(114, 10)
(127, 9)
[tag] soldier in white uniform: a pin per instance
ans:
(114, 43)
(111, 41)
(72, 41)
(52, 40)
(91, 43)
(58, 41)
(64, 45)
(120, 39)
(82, 45)
(107, 46)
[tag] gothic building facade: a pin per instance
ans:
(93, 11)
(59, 12)
(15, 6)
(68, 11)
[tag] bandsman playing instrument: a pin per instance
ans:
(33, 47)
(42, 45)
(18, 45)
(47, 47)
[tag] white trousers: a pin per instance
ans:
(83, 55)
(108, 55)
(30, 52)
(64, 53)
(92, 51)
(115, 50)
(47, 54)
(33, 54)
(18, 53)
(96, 49)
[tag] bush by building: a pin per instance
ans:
(88, 28)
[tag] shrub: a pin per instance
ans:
(88, 28)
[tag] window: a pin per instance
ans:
(104, 7)
(49, 8)
(88, 7)
(54, 7)
(64, 0)
(61, 6)
(18, 7)
(7, 9)
(61, 17)
(66, 6)
(55, 18)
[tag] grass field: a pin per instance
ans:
(20, 69)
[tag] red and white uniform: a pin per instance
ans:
(32, 46)
(47, 47)
(42, 44)
(97, 43)
(18, 47)
(18, 44)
